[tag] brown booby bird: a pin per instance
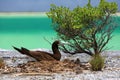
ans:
(42, 55)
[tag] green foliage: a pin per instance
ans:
(107, 6)
(88, 29)
(62, 19)
(97, 62)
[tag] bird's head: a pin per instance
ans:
(61, 43)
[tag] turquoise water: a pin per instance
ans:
(30, 32)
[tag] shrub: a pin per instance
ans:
(97, 62)
(2, 64)
(88, 29)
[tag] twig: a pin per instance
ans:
(47, 40)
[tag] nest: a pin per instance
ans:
(47, 67)
(50, 67)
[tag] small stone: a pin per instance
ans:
(77, 61)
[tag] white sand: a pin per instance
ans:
(111, 72)
(117, 14)
(32, 14)
(22, 14)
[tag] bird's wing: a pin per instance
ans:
(42, 55)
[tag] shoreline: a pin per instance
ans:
(22, 14)
(33, 14)
(45, 49)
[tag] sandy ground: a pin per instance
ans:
(110, 72)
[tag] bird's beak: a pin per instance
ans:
(62, 43)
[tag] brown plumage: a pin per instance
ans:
(42, 55)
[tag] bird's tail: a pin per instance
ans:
(22, 50)
(25, 50)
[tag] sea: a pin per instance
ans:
(34, 31)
